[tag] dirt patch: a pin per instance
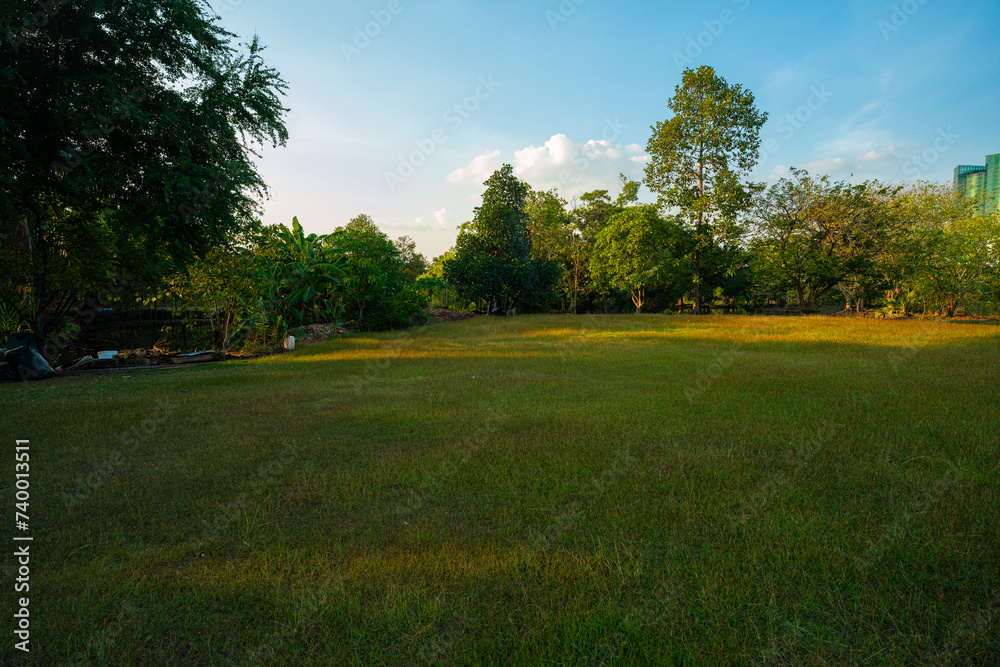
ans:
(448, 315)
(315, 333)
(319, 332)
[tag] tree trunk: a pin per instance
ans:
(697, 281)
(701, 219)
(225, 333)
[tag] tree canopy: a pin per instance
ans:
(816, 235)
(635, 252)
(493, 260)
(700, 154)
(127, 137)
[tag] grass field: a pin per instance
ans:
(536, 490)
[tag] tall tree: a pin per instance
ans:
(127, 136)
(593, 212)
(557, 238)
(362, 222)
(700, 155)
(548, 223)
(493, 259)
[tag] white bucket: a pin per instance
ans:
(290, 343)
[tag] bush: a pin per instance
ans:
(401, 310)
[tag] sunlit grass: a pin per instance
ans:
(535, 490)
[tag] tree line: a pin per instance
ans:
(128, 135)
(805, 242)
(284, 279)
(722, 241)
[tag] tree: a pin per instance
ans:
(127, 134)
(414, 263)
(962, 256)
(633, 253)
(699, 156)
(594, 212)
(630, 192)
(362, 222)
(548, 224)
(227, 285)
(556, 237)
(374, 270)
(493, 259)
(816, 235)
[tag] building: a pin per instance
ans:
(976, 181)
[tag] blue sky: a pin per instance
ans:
(400, 109)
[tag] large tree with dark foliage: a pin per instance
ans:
(493, 260)
(699, 157)
(127, 141)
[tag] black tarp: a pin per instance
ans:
(24, 363)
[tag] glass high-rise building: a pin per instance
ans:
(977, 181)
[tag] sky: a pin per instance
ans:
(401, 109)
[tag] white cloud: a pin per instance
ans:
(444, 218)
(574, 168)
(562, 164)
(556, 151)
(779, 171)
(477, 171)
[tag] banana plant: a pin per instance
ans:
(311, 269)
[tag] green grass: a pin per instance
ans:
(536, 490)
